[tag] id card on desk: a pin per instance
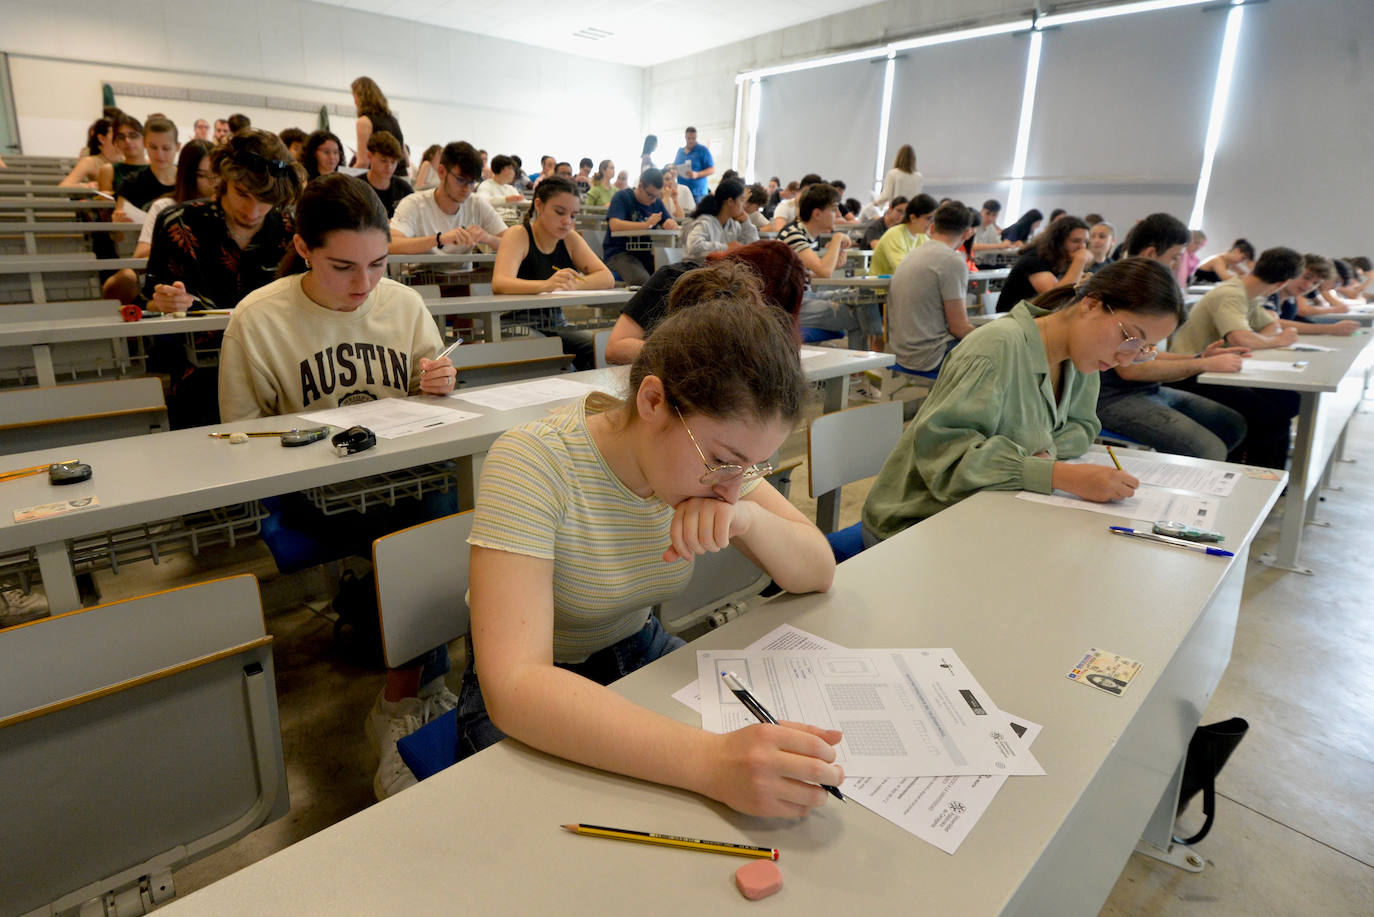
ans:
(58, 508)
(1107, 672)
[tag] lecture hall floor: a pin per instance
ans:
(1293, 831)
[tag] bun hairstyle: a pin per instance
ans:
(332, 203)
(780, 272)
(1139, 285)
(727, 357)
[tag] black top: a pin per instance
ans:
(191, 243)
(385, 121)
(538, 266)
(124, 171)
(649, 305)
(1202, 276)
(1018, 285)
(142, 188)
(873, 231)
(391, 196)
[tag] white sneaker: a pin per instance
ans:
(20, 607)
(392, 773)
(438, 699)
(385, 713)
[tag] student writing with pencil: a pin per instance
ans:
(1017, 397)
(545, 254)
(587, 518)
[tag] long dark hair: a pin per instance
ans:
(98, 127)
(188, 163)
(1139, 285)
(1050, 244)
(710, 205)
(316, 140)
(1020, 230)
(332, 203)
(554, 184)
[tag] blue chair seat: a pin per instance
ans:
(816, 335)
(847, 542)
(431, 748)
(931, 374)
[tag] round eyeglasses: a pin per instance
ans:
(723, 474)
(1138, 350)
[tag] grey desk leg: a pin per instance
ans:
(828, 511)
(42, 364)
(491, 326)
(1157, 840)
(469, 473)
(834, 394)
(59, 581)
(1295, 508)
(1340, 446)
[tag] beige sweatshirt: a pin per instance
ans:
(283, 353)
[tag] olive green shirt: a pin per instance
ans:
(599, 195)
(991, 410)
(1224, 308)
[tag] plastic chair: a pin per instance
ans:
(1112, 438)
(135, 737)
(817, 335)
(843, 447)
(930, 375)
(422, 582)
(599, 348)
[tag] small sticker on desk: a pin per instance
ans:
(1107, 672)
(59, 508)
(1261, 474)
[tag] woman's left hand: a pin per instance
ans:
(704, 525)
(437, 376)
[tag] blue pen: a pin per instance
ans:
(1165, 539)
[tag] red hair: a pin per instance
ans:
(781, 271)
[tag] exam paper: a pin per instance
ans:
(1315, 348)
(903, 712)
(389, 418)
(524, 394)
(1150, 504)
(939, 810)
(810, 353)
(782, 637)
(135, 214)
(1216, 482)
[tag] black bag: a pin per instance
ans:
(1208, 751)
(357, 629)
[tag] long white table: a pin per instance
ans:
(1329, 389)
(488, 827)
(146, 479)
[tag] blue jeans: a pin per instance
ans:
(820, 312)
(475, 728)
(1177, 422)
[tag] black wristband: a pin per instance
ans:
(437, 240)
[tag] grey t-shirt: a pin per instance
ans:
(918, 330)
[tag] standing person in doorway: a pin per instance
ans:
(374, 114)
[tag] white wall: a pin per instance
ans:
(443, 84)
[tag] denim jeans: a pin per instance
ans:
(821, 312)
(475, 728)
(1177, 422)
(1268, 416)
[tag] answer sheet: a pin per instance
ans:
(1215, 482)
(389, 418)
(524, 394)
(903, 712)
(1271, 366)
(939, 810)
(1150, 504)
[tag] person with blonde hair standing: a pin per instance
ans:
(902, 180)
(374, 114)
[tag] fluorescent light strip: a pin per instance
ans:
(1220, 95)
(925, 41)
(755, 95)
(884, 119)
(739, 118)
(1108, 12)
(1018, 163)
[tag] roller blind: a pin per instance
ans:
(823, 120)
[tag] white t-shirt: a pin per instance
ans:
(145, 235)
(283, 353)
(418, 215)
(787, 210)
(496, 194)
(897, 183)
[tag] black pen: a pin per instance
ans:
(736, 686)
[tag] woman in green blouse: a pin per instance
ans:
(1019, 396)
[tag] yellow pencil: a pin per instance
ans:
(28, 472)
(670, 840)
(1114, 461)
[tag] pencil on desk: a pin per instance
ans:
(1114, 460)
(672, 840)
(16, 473)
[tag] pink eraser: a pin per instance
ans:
(758, 879)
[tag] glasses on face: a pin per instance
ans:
(723, 474)
(1138, 350)
(463, 181)
(261, 165)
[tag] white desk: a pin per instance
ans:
(136, 484)
(490, 307)
(1047, 845)
(1330, 389)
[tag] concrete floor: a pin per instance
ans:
(1294, 832)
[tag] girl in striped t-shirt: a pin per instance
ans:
(588, 517)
